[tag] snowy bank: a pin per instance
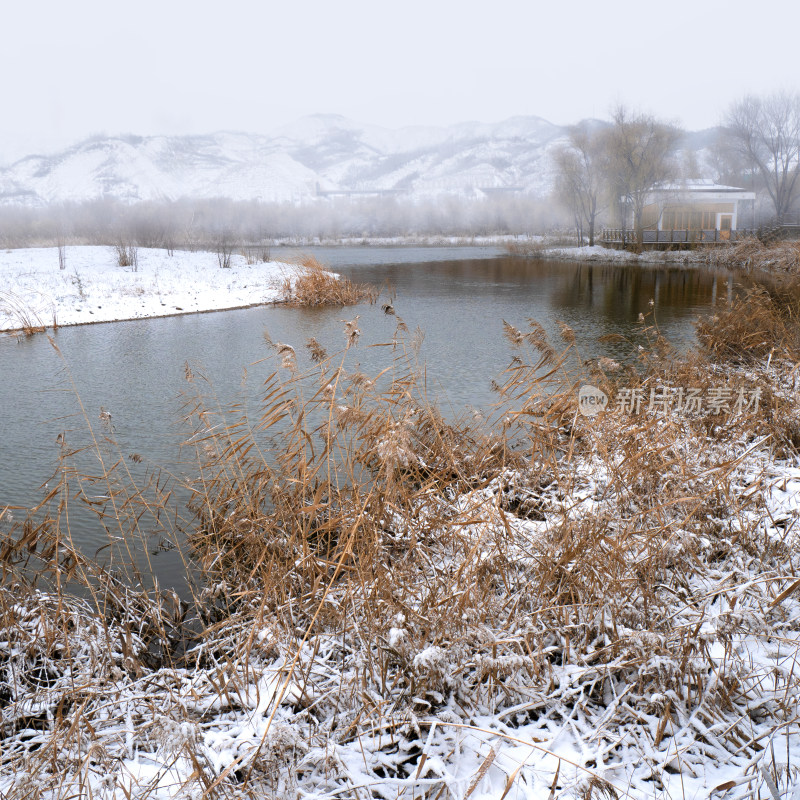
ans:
(94, 288)
(421, 240)
(548, 603)
(589, 624)
(598, 253)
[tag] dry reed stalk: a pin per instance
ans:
(751, 255)
(366, 573)
(764, 320)
(315, 285)
(26, 319)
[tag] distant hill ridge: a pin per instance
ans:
(318, 155)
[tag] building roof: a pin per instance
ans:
(699, 189)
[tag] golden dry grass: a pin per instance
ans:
(752, 255)
(316, 285)
(763, 321)
(408, 573)
(25, 318)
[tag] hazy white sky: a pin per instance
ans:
(71, 69)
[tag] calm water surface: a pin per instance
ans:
(457, 296)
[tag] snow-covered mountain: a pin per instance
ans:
(316, 155)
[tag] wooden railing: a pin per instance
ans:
(626, 236)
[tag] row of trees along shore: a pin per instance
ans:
(612, 168)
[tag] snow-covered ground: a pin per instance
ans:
(598, 253)
(94, 288)
(420, 240)
(308, 723)
(622, 621)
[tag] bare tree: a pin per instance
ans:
(582, 166)
(641, 152)
(62, 249)
(127, 255)
(62, 226)
(765, 133)
(224, 248)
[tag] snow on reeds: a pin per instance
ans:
(21, 315)
(387, 603)
(753, 255)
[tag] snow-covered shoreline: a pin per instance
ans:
(410, 240)
(601, 254)
(554, 606)
(307, 718)
(94, 288)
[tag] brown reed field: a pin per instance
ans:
(314, 284)
(752, 255)
(385, 602)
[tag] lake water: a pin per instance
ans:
(458, 297)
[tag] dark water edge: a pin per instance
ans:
(457, 297)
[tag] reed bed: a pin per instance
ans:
(753, 255)
(314, 284)
(24, 318)
(388, 603)
(763, 322)
(539, 246)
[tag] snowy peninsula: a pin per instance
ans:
(92, 287)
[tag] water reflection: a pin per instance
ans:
(136, 369)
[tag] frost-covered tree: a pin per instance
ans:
(582, 166)
(641, 154)
(765, 133)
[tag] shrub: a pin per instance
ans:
(127, 255)
(224, 249)
(257, 255)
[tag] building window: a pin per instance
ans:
(679, 219)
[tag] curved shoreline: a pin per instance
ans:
(93, 288)
(21, 331)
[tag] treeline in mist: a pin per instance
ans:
(193, 222)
